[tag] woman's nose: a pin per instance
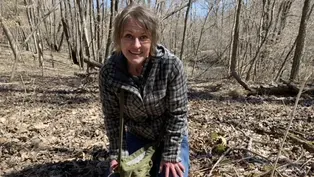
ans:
(137, 43)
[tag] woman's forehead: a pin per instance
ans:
(133, 25)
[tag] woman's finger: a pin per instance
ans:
(173, 170)
(179, 170)
(181, 167)
(166, 171)
(161, 167)
(113, 165)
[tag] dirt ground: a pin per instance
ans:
(52, 126)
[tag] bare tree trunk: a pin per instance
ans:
(235, 42)
(23, 36)
(281, 18)
(300, 42)
(65, 27)
(30, 17)
(39, 39)
(184, 29)
(58, 45)
(129, 2)
(112, 13)
(48, 28)
(1, 8)
(200, 39)
(266, 22)
(84, 36)
(281, 69)
(17, 56)
(54, 30)
(54, 22)
(309, 14)
(92, 24)
(76, 33)
(176, 32)
(40, 52)
(68, 28)
(102, 33)
(98, 28)
(116, 6)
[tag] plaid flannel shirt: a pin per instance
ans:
(161, 104)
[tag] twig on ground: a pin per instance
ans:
(220, 159)
(236, 172)
(307, 172)
(249, 145)
(24, 97)
(291, 163)
(255, 153)
(279, 173)
(24, 87)
(290, 123)
(9, 83)
(306, 163)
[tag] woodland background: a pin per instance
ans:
(245, 60)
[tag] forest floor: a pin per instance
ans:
(52, 126)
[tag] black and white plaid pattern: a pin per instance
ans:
(163, 102)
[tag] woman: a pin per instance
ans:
(155, 94)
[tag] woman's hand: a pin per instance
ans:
(176, 168)
(113, 165)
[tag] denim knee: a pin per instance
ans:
(185, 158)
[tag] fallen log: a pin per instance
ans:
(92, 63)
(282, 89)
(294, 87)
(277, 132)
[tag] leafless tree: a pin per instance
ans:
(265, 23)
(196, 51)
(13, 46)
(235, 42)
(184, 29)
(300, 41)
(113, 10)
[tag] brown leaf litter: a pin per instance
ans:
(52, 126)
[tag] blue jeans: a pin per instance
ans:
(134, 143)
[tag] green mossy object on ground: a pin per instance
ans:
(220, 145)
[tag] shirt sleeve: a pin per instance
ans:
(176, 102)
(110, 108)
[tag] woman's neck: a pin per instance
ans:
(136, 70)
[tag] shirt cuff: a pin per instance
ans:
(113, 155)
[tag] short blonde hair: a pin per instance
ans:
(146, 18)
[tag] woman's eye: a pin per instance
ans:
(143, 38)
(128, 36)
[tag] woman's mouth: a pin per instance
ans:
(135, 53)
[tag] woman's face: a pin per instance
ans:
(135, 42)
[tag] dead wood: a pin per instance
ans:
(278, 90)
(306, 144)
(295, 87)
(84, 75)
(295, 139)
(92, 63)
(278, 132)
(283, 89)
